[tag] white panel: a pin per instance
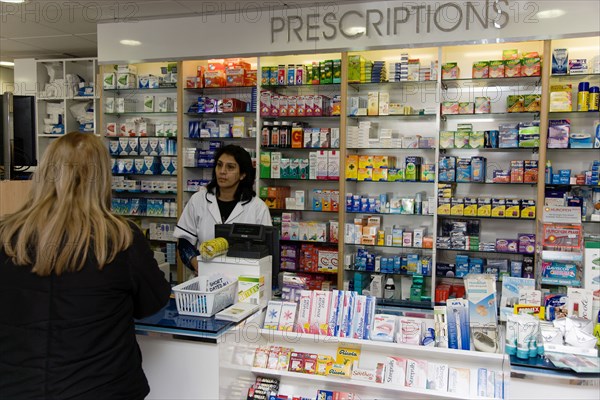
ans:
(250, 32)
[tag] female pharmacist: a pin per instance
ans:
(228, 198)
(72, 279)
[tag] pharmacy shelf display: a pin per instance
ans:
(66, 100)
(299, 142)
(219, 108)
(389, 174)
(139, 120)
(488, 164)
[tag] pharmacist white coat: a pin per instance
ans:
(201, 214)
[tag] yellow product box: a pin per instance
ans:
(340, 370)
(352, 167)
(373, 103)
(531, 66)
(380, 161)
(324, 363)
(457, 206)
(513, 208)
(380, 174)
(532, 102)
(470, 207)
(445, 190)
(484, 207)
(510, 54)
(450, 70)
(515, 103)
(498, 208)
(561, 98)
(481, 69)
(347, 355)
(365, 174)
(444, 206)
(528, 209)
(365, 161)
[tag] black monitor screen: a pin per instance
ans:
(24, 153)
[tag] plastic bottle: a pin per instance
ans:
(284, 134)
(583, 97)
(389, 289)
(275, 134)
(548, 178)
(265, 134)
(594, 98)
(418, 204)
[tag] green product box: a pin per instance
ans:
(274, 71)
(326, 71)
(265, 165)
(337, 71)
(461, 139)
(447, 139)
(263, 193)
(477, 139)
(354, 63)
(316, 73)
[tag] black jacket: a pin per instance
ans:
(73, 336)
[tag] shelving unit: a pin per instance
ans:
(290, 131)
(141, 128)
(59, 98)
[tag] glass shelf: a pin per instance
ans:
(142, 113)
(389, 247)
(401, 116)
(476, 217)
(291, 210)
(494, 183)
(308, 241)
(387, 273)
(532, 114)
(358, 85)
(294, 271)
(133, 192)
(572, 149)
(575, 76)
(494, 149)
(485, 82)
(574, 113)
(269, 148)
(145, 175)
(391, 182)
(137, 156)
(145, 216)
(486, 252)
(389, 148)
(301, 180)
(221, 114)
(138, 136)
(300, 117)
(565, 186)
(376, 213)
(305, 86)
(216, 89)
(160, 89)
(220, 138)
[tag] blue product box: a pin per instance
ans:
(463, 170)
(478, 169)
(462, 265)
(475, 266)
(349, 202)
(443, 269)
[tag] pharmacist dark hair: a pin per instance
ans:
(245, 190)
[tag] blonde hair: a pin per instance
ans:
(67, 216)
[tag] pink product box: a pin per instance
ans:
(449, 107)
(283, 106)
(288, 264)
(274, 105)
(265, 103)
(526, 243)
(309, 105)
(507, 245)
(289, 251)
(292, 102)
(318, 106)
(301, 106)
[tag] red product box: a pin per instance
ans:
(250, 78)
(235, 77)
(233, 105)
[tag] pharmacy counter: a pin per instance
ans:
(184, 356)
(538, 378)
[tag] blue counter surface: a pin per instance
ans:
(168, 321)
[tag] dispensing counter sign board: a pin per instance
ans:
(562, 215)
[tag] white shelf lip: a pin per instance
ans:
(354, 382)
(551, 255)
(294, 337)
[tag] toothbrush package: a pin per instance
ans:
(481, 294)
(458, 324)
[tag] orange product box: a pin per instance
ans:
(236, 63)
(250, 78)
(235, 77)
(214, 79)
(297, 137)
(217, 64)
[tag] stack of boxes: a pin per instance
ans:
(321, 165)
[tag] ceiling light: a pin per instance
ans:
(129, 42)
(356, 30)
(7, 64)
(547, 14)
(12, 1)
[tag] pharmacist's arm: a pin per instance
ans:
(188, 254)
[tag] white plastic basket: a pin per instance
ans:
(191, 301)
